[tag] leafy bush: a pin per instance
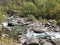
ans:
(48, 9)
(29, 8)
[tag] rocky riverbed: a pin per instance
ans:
(36, 33)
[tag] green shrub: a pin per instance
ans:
(31, 18)
(29, 8)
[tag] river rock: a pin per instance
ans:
(42, 40)
(22, 40)
(57, 29)
(32, 41)
(47, 43)
(58, 23)
(56, 41)
(37, 26)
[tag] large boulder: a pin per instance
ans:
(32, 41)
(57, 29)
(56, 41)
(37, 27)
(47, 43)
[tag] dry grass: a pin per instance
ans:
(6, 41)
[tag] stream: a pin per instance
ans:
(19, 24)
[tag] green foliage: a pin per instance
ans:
(1, 16)
(41, 8)
(29, 8)
(31, 18)
(45, 7)
(48, 9)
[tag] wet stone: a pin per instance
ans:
(47, 43)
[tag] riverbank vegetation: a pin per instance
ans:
(7, 41)
(40, 9)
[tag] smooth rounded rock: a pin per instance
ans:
(47, 43)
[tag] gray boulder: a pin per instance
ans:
(37, 26)
(56, 41)
(32, 41)
(47, 43)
